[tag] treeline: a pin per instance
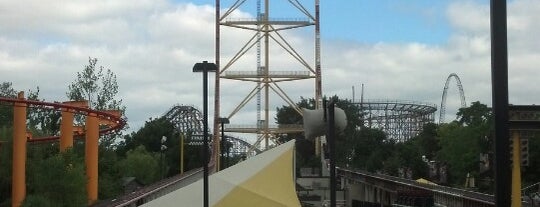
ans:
(447, 153)
(58, 179)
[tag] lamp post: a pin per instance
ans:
(163, 148)
(205, 67)
(224, 121)
(331, 139)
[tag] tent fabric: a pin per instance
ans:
(263, 180)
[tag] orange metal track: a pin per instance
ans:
(114, 122)
(95, 118)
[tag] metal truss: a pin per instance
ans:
(188, 120)
(240, 147)
(400, 120)
(265, 32)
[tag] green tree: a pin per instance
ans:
(150, 136)
(110, 179)
(42, 121)
(37, 201)
(6, 122)
(477, 114)
(463, 141)
(428, 141)
(406, 155)
(59, 178)
(6, 90)
(6, 154)
(460, 150)
(140, 164)
(409, 154)
(97, 88)
(369, 148)
(100, 90)
(6, 111)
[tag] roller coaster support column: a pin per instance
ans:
(516, 169)
(66, 126)
(181, 153)
(223, 144)
(19, 153)
(66, 130)
(91, 157)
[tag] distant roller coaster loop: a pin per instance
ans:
(443, 101)
(120, 123)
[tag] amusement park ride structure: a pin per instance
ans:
(402, 120)
(188, 121)
(399, 120)
(267, 37)
(443, 99)
(97, 122)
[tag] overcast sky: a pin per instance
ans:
(398, 50)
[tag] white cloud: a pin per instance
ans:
(414, 71)
(152, 46)
(468, 17)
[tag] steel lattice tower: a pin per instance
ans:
(267, 35)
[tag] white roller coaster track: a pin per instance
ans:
(443, 101)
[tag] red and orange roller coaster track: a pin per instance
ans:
(115, 122)
(109, 120)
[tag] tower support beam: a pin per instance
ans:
(266, 31)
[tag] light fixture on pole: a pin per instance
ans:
(224, 121)
(205, 67)
(163, 148)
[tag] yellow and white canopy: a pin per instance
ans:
(265, 180)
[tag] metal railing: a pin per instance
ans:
(293, 19)
(478, 199)
(149, 192)
(270, 73)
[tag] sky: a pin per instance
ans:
(399, 50)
